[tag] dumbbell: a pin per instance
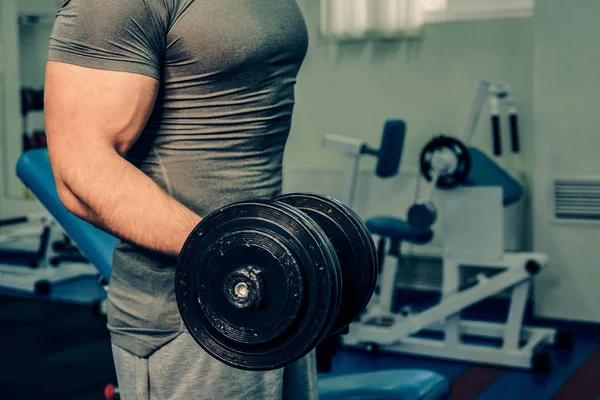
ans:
(445, 163)
(259, 284)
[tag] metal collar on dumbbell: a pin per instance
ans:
(244, 287)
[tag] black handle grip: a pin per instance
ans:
(496, 137)
(514, 133)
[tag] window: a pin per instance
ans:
(434, 5)
(464, 10)
(364, 19)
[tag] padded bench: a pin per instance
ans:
(33, 168)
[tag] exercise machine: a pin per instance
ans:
(97, 246)
(472, 190)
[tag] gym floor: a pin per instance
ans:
(53, 350)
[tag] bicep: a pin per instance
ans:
(102, 76)
(89, 109)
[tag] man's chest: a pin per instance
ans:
(217, 36)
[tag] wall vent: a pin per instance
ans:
(577, 199)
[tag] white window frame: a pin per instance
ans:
(473, 10)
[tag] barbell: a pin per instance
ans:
(259, 284)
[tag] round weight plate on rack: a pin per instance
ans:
(257, 285)
(354, 248)
(463, 161)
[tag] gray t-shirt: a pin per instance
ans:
(227, 72)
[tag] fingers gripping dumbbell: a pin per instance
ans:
(260, 284)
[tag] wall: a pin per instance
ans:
(33, 41)
(566, 119)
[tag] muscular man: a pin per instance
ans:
(158, 112)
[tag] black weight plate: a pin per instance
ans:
(458, 176)
(354, 248)
(373, 263)
(368, 238)
(299, 273)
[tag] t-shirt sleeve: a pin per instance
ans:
(116, 35)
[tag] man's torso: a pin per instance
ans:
(216, 136)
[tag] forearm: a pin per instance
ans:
(106, 190)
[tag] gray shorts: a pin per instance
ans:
(182, 370)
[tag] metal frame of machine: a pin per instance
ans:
(465, 340)
(472, 235)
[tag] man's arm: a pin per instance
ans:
(93, 117)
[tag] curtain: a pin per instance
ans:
(370, 18)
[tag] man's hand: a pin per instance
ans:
(93, 117)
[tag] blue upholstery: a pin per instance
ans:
(385, 385)
(395, 228)
(33, 168)
(485, 172)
